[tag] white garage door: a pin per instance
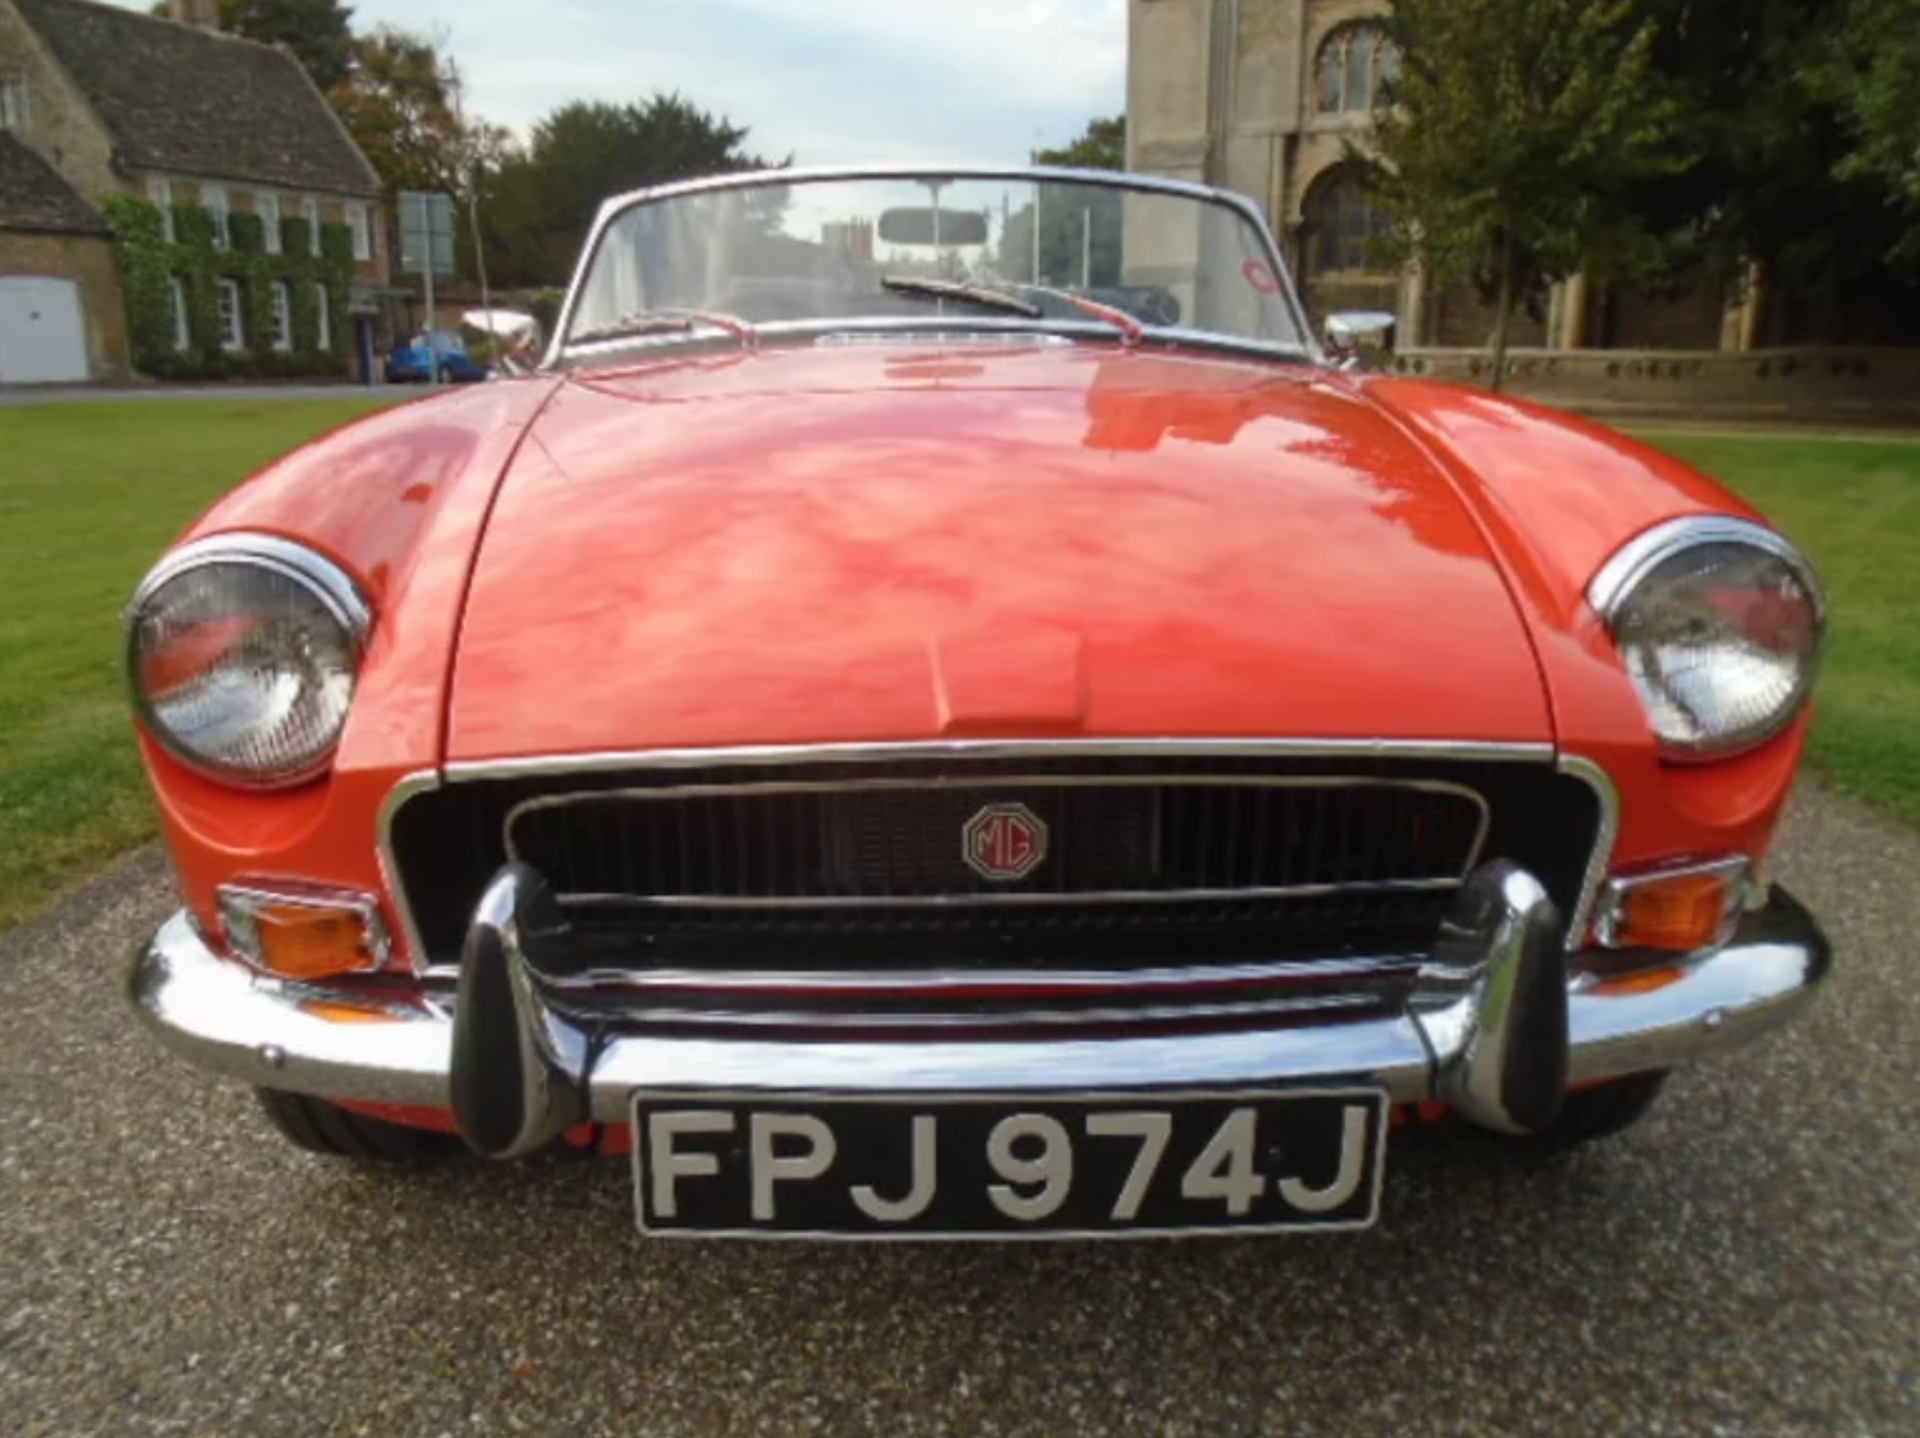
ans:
(42, 337)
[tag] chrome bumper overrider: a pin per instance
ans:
(1495, 1028)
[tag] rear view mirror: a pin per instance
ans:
(933, 226)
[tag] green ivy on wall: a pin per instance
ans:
(149, 265)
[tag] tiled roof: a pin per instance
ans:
(197, 102)
(34, 197)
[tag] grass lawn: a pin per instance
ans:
(1854, 505)
(89, 496)
(91, 493)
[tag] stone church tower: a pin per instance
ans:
(1267, 96)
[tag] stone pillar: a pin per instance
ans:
(1743, 324)
(1410, 329)
(1574, 303)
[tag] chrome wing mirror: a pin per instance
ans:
(1350, 331)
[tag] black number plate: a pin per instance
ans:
(777, 1165)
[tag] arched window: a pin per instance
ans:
(1344, 228)
(1357, 66)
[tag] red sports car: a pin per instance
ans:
(939, 712)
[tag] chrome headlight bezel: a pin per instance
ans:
(334, 594)
(1627, 579)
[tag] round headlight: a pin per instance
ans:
(243, 651)
(1719, 622)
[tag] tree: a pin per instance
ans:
(1102, 146)
(538, 202)
(1519, 130)
(1081, 229)
(318, 32)
(1773, 93)
(1874, 77)
(398, 103)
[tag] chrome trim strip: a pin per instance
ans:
(832, 331)
(965, 329)
(984, 900)
(1638, 557)
(935, 982)
(418, 782)
(1605, 834)
(613, 207)
(960, 1019)
(327, 581)
(533, 766)
(1613, 895)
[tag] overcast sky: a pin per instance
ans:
(825, 80)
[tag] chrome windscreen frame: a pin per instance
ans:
(1606, 795)
(1309, 349)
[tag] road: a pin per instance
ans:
(1746, 1262)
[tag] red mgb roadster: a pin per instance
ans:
(939, 711)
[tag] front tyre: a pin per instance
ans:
(326, 1128)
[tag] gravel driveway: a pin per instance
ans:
(1746, 1262)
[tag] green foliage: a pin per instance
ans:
(546, 307)
(1520, 129)
(1081, 228)
(537, 203)
(246, 234)
(316, 31)
(336, 247)
(1873, 75)
(1102, 146)
(398, 104)
(148, 264)
(142, 251)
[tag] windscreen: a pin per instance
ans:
(895, 248)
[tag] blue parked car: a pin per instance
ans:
(411, 361)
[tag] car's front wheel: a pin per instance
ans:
(322, 1127)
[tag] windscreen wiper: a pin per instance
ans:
(1130, 328)
(960, 290)
(668, 322)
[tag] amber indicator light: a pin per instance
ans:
(1685, 912)
(302, 936)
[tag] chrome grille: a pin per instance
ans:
(818, 889)
(896, 843)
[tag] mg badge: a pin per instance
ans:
(1004, 842)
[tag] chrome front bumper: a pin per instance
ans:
(1496, 1030)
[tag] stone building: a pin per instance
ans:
(1266, 97)
(97, 101)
